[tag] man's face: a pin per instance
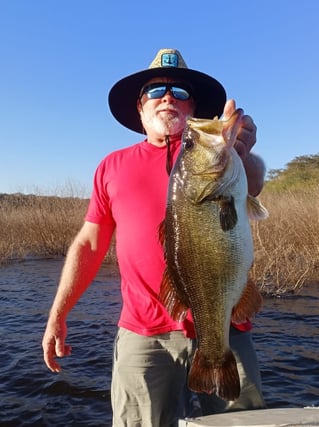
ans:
(166, 115)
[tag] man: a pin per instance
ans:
(152, 352)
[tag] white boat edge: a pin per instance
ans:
(277, 417)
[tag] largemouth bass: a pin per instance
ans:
(209, 249)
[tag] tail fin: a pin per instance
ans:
(205, 377)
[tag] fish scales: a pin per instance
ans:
(209, 248)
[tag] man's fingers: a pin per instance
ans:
(49, 355)
(249, 125)
(246, 137)
(53, 350)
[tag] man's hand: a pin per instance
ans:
(246, 136)
(53, 344)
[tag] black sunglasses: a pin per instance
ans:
(158, 90)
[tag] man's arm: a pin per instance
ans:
(82, 263)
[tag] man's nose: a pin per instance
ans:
(168, 96)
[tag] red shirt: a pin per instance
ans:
(129, 194)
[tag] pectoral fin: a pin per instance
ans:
(227, 212)
(256, 211)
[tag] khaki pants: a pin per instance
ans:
(150, 376)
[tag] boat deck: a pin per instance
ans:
(280, 417)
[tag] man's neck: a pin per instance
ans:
(161, 141)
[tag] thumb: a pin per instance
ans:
(229, 108)
(59, 347)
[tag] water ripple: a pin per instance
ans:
(286, 338)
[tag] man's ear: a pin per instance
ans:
(139, 105)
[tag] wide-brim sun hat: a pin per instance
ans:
(209, 94)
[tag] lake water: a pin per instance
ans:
(286, 335)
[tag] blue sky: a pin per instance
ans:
(59, 59)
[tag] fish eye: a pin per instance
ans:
(188, 143)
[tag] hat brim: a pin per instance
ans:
(209, 94)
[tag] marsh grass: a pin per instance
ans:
(38, 225)
(286, 244)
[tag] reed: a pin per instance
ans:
(286, 244)
(38, 225)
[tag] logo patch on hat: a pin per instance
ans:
(169, 60)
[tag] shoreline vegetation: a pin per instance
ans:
(285, 244)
